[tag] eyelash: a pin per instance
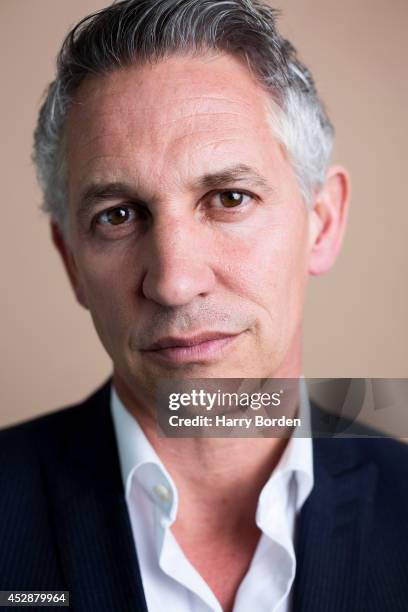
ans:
(133, 208)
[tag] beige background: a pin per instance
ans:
(356, 315)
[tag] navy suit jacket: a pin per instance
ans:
(64, 523)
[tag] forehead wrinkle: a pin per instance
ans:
(174, 111)
(197, 144)
(96, 158)
(184, 100)
(92, 88)
(127, 129)
(176, 105)
(125, 82)
(203, 114)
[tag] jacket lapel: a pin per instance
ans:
(334, 528)
(92, 524)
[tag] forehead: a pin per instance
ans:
(178, 116)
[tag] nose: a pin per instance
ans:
(178, 267)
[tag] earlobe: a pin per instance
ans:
(64, 249)
(327, 220)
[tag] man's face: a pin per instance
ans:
(189, 235)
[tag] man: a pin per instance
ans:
(184, 156)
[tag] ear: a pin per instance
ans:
(64, 249)
(327, 220)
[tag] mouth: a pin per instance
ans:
(202, 347)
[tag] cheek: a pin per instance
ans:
(106, 270)
(269, 266)
(108, 281)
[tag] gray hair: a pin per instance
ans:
(151, 30)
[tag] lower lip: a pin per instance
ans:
(205, 351)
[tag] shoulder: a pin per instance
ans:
(385, 452)
(19, 443)
(36, 460)
(390, 459)
(344, 446)
(383, 461)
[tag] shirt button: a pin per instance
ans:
(162, 492)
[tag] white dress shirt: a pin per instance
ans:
(170, 581)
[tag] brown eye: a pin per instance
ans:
(229, 199)
(116, 216)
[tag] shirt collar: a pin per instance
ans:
(139, 459)
(298, 455)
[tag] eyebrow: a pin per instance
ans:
(99, 192)
(239, 172)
